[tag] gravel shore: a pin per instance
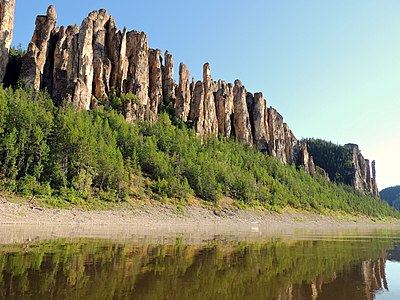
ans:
(21, 222)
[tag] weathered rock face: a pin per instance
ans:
(210, 113)
(305, 160)
(7, 8)
(65, 70)
(168, 78)
(361, 177)
(155, 82)
(276, 146)
(260, 122)
(101, 63)
(196, 114)
(83, 64)
(241, 114)
(224, 106)
(36, 56)
(183, 94)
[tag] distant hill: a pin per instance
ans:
(392, 196)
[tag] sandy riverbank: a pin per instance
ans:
(145, 215)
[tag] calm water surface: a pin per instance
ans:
(343, 265)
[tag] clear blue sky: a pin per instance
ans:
(331, 68)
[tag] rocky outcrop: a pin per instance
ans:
(168, 78)
(224, 108)
(36, 56)
(65, 66)
(183, 94)
(260, 122)
(155, 82)
(85, 64)
(101, 63)
(305, 160)
(196, 114)
(210, 113)
(362, 179)
(7, 8)
(242, 124)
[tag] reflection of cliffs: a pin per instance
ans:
(358, 282)
(86, 64)
(394, 254)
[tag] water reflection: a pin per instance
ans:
(331, 268)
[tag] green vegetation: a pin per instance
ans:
(95, 269)
(56, 153)
(392, 196)
(14, 66)
(336, 160)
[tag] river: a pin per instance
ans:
(303, 264)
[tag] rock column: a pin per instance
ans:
(36, 56)
(7, 8)
(168, 78)
(241, 114)
(210, 113)
(183, 94)
(155, 89)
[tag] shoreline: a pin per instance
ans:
(151, 223)
(152, 214)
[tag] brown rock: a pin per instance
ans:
(168, 78)
(7, 8)
(84, 86)
(282, 143)
(361, 177)
(210, 114)
(305, 160)
(81, 93)
(290, 143)
(224, 105)
(123, 64)
(65, 71)
(101, 63)
(183, 94)
(259, 122)
(155, 89)
(196, 114)
(35, 59)
(241, 114)
(137, 51)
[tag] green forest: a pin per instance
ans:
(392, 196)
(56, 153)
(335, 159)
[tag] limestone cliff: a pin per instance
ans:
(7, 8)
(362, 178)
(84, 64)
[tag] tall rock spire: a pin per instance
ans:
(7, 8)
(35, 59)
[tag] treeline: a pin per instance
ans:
(57, 153)
(392, 196)
(335, 159)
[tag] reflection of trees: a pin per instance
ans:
(91, 269)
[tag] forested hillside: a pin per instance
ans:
(392, 196)
(64, 155)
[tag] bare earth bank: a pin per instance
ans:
(25, 222)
